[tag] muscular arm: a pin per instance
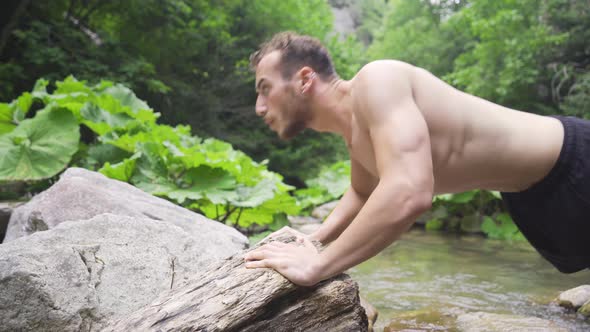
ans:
(362, 184)
(401, 145)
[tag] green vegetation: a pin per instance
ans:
(329, 185)
(124, 142)
(206, 149)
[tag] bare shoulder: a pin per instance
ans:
(380, 84)
(383, 70)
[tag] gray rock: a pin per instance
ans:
(6, 209)
(232, 298)
(575, 297)
(371, 311)
(81, 194)
(297, 221)
(482, 321)
(322, 211)
(79, 274)
(309, 228)
(305, 225)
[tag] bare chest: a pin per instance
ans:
(361, 149)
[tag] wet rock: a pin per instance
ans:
(322, 211)
(429, 319)
(585, 309)
(81, 194)
(230, 297)
(482, 321)
(371, 311)
(574, 298)
(79, 274)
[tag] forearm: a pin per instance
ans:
(346, 210)
(382, 220)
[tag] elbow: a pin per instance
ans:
(417, 203)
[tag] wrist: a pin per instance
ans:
(315, 272)
(317, 236)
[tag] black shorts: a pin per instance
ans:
(554, 214)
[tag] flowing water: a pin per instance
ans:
(424, 280)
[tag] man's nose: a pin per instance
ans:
(261, 108)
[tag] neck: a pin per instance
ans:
(331, 107)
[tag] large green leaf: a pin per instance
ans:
(201, 181)
(12, 114)
(254, 196)
(127, 98)
(40, 147)
(6, 122)
(101, 121)
(120, 171)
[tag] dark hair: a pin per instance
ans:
(297, 51)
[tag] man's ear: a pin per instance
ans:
(306, 75)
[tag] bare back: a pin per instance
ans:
(474, 143)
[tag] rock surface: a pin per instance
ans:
(322, 211)
(482, 321)
(79, 274)
(81, 194)
(232, 298)
(6, 209)
(585, 309)
(370, 311)
(574, 298)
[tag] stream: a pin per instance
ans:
(424, 280)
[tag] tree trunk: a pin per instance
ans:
(229, 297)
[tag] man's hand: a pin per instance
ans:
(299, 262)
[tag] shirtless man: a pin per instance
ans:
(411, 136)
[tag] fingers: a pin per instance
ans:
(259, 255)
(266, 263)
(269, 250)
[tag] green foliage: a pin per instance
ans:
(507, 39)
(434, 225)
(128, 145)
(522, 54)
(330, 184)
(473, 211)
(501, 227)
(415, 32)
(39, 148)
(185, 66)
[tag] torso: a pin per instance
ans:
(474, 143)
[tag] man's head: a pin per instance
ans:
(286, 67)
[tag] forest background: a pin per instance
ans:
(188, 59)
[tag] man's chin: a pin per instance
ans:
(286, 135)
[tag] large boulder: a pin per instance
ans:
(230, 297)
(81, 194)
(79, 274)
